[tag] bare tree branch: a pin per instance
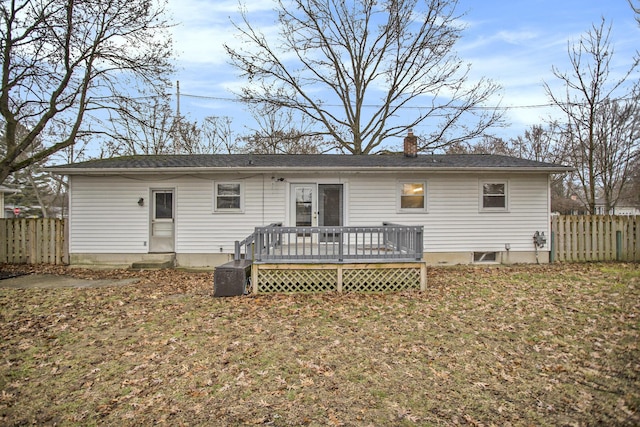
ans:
(589, 94)
(355, 67)
(279, 132)
(65, 58)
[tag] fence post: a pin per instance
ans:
(618, 245)
(552, 251)
(4, 241)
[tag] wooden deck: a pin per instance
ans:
(335, 259)
(389, 242)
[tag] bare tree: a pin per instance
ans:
(631, 193)
(64, 60)
(618, 133)
(279, 132)
(488, 144)
(539, 143)
(353, 68)
(76, 152)
(636, 10)
(185, 135)
(218, 135)
(588, 88)
(150, 126)
(140, 126)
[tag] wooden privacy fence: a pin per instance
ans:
(595, 238)
(574, 238)
(33, 241)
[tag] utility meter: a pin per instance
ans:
(539, 239)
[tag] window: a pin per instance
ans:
(494, 196)
(228, 197)
(485, 257)
(413, 196)
(163, 204)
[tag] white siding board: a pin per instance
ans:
(372, 200)
(201, 230)
(105, 217)
(466, 228)
(454, 222)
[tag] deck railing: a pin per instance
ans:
(275, 243)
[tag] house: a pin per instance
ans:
(191, 209)
(627, 209)
(5, 190)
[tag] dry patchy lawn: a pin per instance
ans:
(521, 345)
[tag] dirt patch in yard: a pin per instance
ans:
(518, 345)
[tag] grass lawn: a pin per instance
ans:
(520, 345)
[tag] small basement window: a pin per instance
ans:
(485, 256)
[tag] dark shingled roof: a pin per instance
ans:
(213, 162)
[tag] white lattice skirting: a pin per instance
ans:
(375, 277)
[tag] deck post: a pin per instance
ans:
(423, 276)
(254, 278)
(339, 278)
(259, 245)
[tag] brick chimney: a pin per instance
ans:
(410, 144)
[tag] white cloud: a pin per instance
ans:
(514, 45)
(203, 27)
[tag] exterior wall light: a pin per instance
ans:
(141, 201)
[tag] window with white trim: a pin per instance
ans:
(228, 197)
(494, 196)
(412, 196)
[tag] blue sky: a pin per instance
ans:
(514, 43)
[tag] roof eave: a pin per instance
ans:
(262, 169)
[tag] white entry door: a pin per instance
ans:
(162, 221)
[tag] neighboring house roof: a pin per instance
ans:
(4, 189)
(601, 202)
(298, 162)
